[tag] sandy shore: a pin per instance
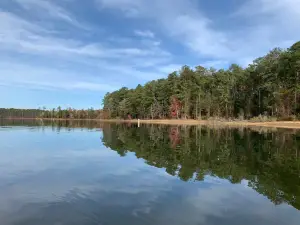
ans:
(275, 124)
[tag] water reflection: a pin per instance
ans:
(70, 177)
(268, 161)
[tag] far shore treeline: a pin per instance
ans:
(57, 113)
(269, 87)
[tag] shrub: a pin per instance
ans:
(261, 118)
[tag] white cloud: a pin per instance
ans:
(167, 69)
(109, 60)
(21, 36)
(275, 18)
(129, 7)
(276, 8)
(215, 64)
(44, 8)
(269, 24)
(181, 20)
(38, 77)
(144, 33)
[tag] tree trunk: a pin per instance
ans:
(196, 109)
(295, 112)
(199, 97)
(259, 102)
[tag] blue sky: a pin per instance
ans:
(71, 52)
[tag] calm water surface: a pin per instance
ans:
(96, 174)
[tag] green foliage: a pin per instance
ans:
(269, 86)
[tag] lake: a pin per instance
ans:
(92, 173)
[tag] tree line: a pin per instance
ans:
(57, 113)
(269, 161)
(267, 87)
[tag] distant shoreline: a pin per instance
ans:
(275, 124)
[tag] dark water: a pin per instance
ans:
(92, 173)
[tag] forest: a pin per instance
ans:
(57, 113)
(268, 87)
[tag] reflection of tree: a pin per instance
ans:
(56, 125)
(174, 136)
(269, 161)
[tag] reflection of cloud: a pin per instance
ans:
(98, 185)
(37, 172)
(215, 180)
(235, 204)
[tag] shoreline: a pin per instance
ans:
(275, 124)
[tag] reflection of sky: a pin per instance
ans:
(71, 178)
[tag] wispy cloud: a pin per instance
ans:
(275, 8)
(167, 69)
(46, 8)
(181, 21)
(274, 19)
(38, 77)
(145, 33)
(112, 62)
(131, 8)
(184, 21)
(20, 35)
